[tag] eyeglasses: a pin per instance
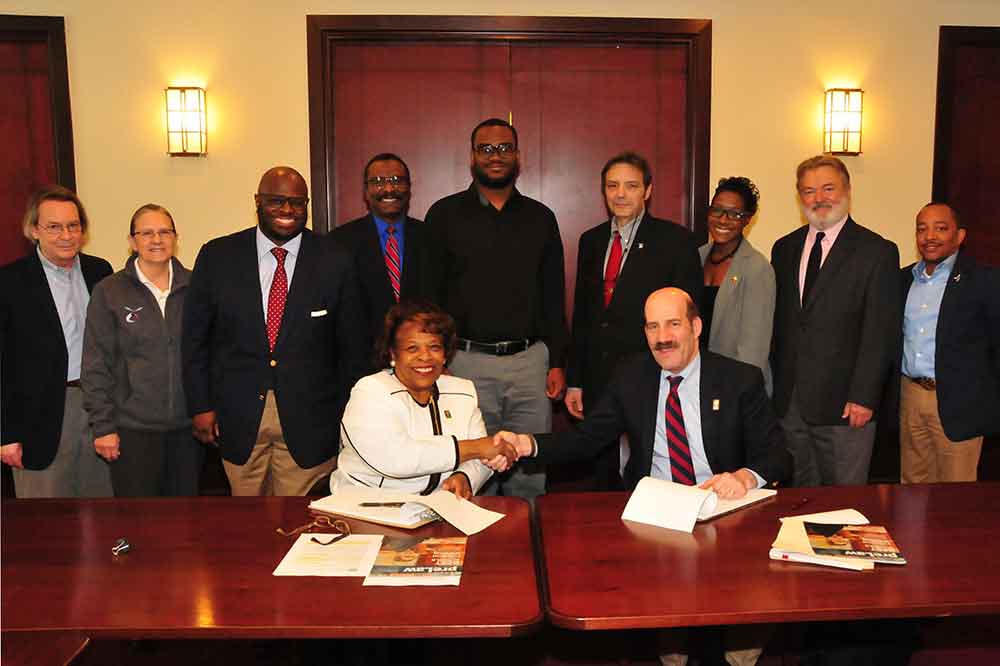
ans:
(277, 201)
(731, 213)
(321, 523)
(501, 149)
(150, 234)
(384, 181)
(54, 229)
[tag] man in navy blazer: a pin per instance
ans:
(950, 384)
(607, 310)
(46, 437)
(386, 274)
(836, 330)
(734, 441)
(273, 341)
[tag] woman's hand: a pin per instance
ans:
(458, 483)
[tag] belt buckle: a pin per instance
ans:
(502, 348)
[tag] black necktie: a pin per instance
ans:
(812, 268)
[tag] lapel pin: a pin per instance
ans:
(447, 414)
(957, 277)
(715, 405)
(640, 246)
(735, 279)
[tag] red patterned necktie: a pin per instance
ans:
(611, 271)
(392, 259)
(277, 296)
(681, 467)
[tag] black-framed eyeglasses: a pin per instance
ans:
(55, 229)
(278, 201)
(386, 181)
(502, 149)
(324, 523)
(731, 213)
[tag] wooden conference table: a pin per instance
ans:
(201, 568)
(604, 573)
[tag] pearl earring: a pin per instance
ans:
(392, 363)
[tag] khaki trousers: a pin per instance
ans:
(926, 455)
(271, 470)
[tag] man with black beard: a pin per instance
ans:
(496, 264)
(272, 345)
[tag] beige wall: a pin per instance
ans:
(770, 64)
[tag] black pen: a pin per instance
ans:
(386, 504)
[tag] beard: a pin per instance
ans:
(500, 183)
(824, 216)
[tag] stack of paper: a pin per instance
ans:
(829, 539)
(677, 507)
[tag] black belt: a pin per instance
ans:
(503, 348)
(926, 383)
(73, 384)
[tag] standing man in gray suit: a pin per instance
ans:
(836, 329)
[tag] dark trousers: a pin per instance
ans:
(157, 464)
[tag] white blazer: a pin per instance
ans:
(389, 440)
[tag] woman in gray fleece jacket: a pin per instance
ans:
(131, 375)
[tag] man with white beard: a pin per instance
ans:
(836, 329)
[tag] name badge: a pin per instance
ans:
(318, 313)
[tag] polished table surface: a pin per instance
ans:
(201, 568)
(604, 573)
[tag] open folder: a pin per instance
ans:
(396, 509)
(792, 542)
(678, 507)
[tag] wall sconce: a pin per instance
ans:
(842, 121)
(187, 127)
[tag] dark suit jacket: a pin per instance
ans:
(318, 356)
(34, 360)
(662, 255)
(741, 433)
(360, 238)
(840, 345)
(967, 351)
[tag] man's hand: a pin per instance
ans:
(10, 454)
(574, 402)
(731, 485)
(555, 383)
(458, 483)
(857, 415)
(205, 427)
(108, 446)
(510, 448)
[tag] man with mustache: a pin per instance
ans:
(496, 265)
(387, 245)
(691, 417)
(836, 329)
(950, 385)
(272, 345)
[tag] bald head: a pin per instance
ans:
(672, 328)
(282, 204)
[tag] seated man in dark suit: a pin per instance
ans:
(692, 417)
(950, 386)
(386, 244)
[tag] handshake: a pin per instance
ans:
(505, 450)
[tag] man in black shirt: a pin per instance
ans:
(496, 264)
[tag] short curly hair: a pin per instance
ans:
(742, 186)
(432, 320)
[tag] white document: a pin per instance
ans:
(677, 507)
(413, 512)
(353, 555)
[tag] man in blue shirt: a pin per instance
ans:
(950, 386)
(386, 244)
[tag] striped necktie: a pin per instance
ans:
(681, 467)
(392, 259)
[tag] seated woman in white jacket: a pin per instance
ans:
(409, 428)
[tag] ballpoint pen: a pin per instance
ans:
(385, 504)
